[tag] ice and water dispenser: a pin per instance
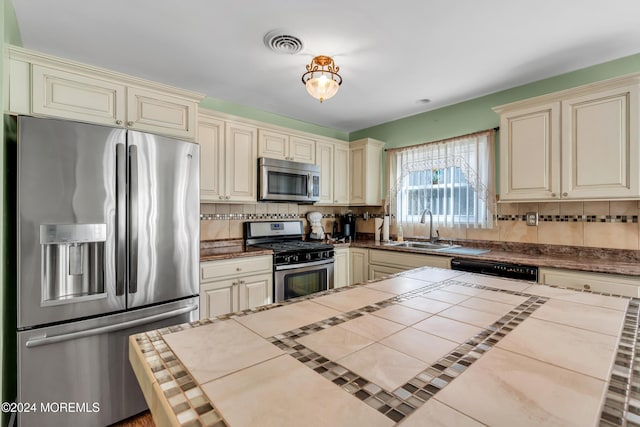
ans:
(72, 261)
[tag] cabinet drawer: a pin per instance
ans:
(606, 283)
(407, 260)
(211, 270)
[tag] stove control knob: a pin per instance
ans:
(293, 258)
(307, 256)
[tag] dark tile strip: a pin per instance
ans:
(400, 403)
(622, 401)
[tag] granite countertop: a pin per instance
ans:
(613, 261)
(424, 347)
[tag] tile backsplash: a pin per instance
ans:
(605, 224)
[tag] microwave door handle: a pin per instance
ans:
(309, 185)
(121, 217)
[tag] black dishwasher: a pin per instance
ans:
(495, 268)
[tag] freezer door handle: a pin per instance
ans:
(121, 217)
(44, 340)
(133, 219)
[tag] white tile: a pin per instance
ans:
(353, 299)
(215, 350)
(397, 285)
(335, 342)
(506, 389)
(285, 393)
(602, 320)
(382, 365)
(421, 345)
(282, 319)
(448, 328)
(579, 350)
(436, 414)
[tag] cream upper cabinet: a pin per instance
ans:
(578, 144)
(241, 163)
(365, 175)
(68, 95)
(154, 111)
(530, 153)
(333, 159)
(341, 176)
(228, 160)
(212, 160)
(40, 84)
(277, 145)
(600, 145)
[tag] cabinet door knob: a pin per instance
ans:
(553, 194)
(118, 122)
(227, 197)
(565, 194)
(129, 123)
(242, 282)
(221, 197)
(238, 269)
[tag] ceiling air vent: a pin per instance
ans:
(281, 42)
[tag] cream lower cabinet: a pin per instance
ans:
(333, 159)
(359, 265)
(578, 144)
(228, 160)
(227, 286)
(596, 282)
(341, 267)
(383, 263)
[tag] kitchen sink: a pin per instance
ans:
(426, 246)
(438, 247)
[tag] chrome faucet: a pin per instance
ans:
(432, 238)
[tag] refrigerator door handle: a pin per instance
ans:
(39, 341)
(121, 218)
(133, 219)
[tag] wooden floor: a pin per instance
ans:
(141, 420)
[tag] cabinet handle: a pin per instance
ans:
(118, 122)
(587, 287)
(565, 194)
(221, 197)
(227, 197)
(129, 123)
(553, 194)
(238, 269)
(242, 282)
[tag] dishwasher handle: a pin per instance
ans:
(44, 340)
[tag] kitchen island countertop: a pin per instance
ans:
(424, 347)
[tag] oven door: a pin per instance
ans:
(298, 280)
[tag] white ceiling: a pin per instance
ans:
(391, 54)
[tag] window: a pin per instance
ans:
(453, 179)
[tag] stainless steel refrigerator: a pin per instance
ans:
(108, 246)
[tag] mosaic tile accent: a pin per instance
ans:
(188, 402)
(271, 216)
(398, 404)
(622, 402)
(574, 218)
(192, 408)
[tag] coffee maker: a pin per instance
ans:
(348, 226)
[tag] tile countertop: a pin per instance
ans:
(424, 347)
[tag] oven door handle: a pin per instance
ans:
(303, 265)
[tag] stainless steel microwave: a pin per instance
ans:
(287, 181)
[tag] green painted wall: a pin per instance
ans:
(476, 114)
(275, 119)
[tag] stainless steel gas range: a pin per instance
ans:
(299, 267)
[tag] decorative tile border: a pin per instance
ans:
(574, 218)
(622, 402)
(400, 403)
(192, 408)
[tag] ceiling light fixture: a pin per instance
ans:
(322, 79)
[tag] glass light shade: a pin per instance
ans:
(322, 87)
